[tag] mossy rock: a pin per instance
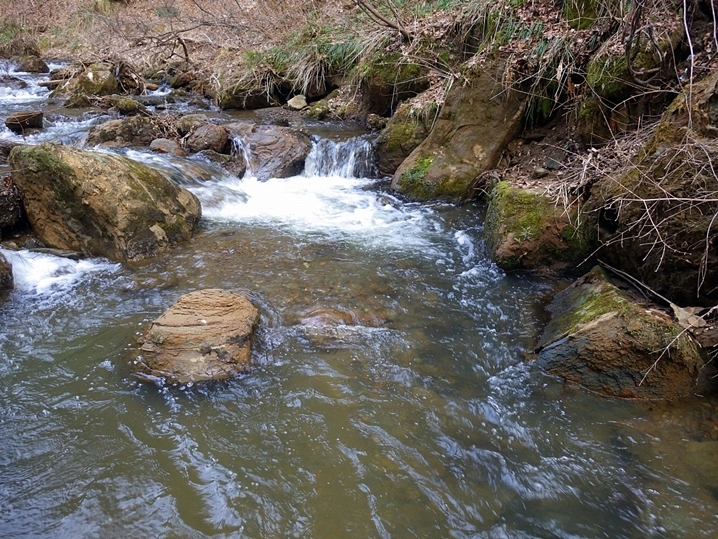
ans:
(189, 122)
(580, 14)
(399, 138)
(101, 204)
(672, 248)
(527, 230)
(246, 99)
(602, 339)
(387, 80)
(132, 131)
(77, 100)
(127, 106)
(608, 75)
(319, 110)
(593, 124)
(97, 79)
(469, 135)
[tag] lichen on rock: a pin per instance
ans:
(101, 204)
(470, 133)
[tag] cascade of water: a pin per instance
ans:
(39, 272)
(241, 148)
(352, 158)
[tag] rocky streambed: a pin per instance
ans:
(389, 393)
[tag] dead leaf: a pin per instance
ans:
(688, 317)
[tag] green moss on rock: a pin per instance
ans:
(580, 14)
(525, 229)
(602, 339)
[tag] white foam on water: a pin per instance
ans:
(40, 273)
(331, 205)
(341, 207)
(64, 131)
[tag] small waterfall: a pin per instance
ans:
(352, 158)
(41, 273)
(241, 148)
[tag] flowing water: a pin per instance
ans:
(390, 396)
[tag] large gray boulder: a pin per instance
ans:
(274, 151)
(101, 204)
(605, 341)
(206, 335)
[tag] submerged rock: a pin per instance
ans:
(274, 151)
(206, 335)
(470, 134)
(527, 229)
(13, 83)
(600, 338)
(101, 204)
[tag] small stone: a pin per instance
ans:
(163, 145)
(540, 173)
(553, 164)
(298, 102)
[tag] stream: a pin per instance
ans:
(391, 396)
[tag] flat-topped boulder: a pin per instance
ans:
(101, 204)
(206, 335)
(130, 131)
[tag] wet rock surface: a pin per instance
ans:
(19, 122)
(6, 277)
(527, 229)
(101, 204)
(10, 203)
(206, 335)
(607, 342)
(275, 151)
(131, 131)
